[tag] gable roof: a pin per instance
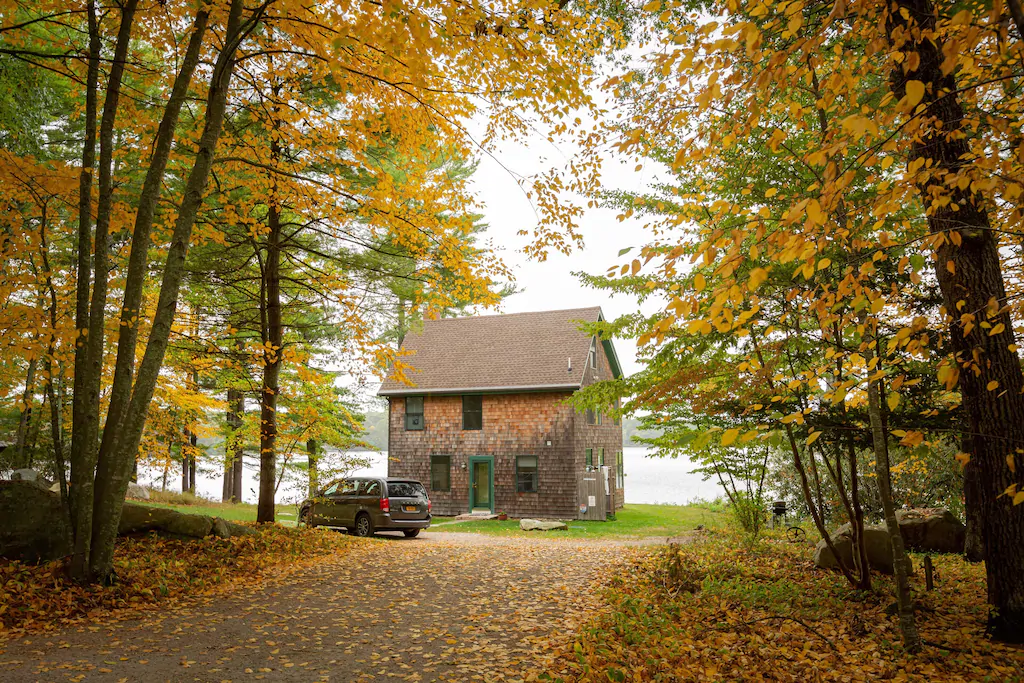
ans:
(516, 351)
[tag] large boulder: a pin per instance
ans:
(877, 543)
(932, 530)
(29, 475)
(33, 527)
(25, 474)
(137, 491)
(542, 525)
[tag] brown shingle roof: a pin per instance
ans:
(498, 352)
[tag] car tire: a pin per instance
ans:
(364, 525)
(411, 533)
(305, 518)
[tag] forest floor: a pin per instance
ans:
(724, 609)
(446, 607)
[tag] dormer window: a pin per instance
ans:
(593, 354)
(413, 413)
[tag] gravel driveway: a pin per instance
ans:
(442, 607)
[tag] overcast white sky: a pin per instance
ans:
(550, 284)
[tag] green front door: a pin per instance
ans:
(481, 483)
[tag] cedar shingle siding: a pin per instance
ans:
(519, 416)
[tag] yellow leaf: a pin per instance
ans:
(996, 330)
(1011, 462)
(756, 278)
(814, 212)
(699, 283)
(730, 436)
(771, 192)
(824, 263)
(963, 458)
(1018, 498)
(915, 93)
(813, 437)
(893, 400)
(992, 385)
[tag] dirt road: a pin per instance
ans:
(444, 607)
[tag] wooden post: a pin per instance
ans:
(929, 582)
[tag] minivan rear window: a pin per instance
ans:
(406, 489)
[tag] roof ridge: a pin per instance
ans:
(507, 315)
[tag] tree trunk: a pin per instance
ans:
(313, 448)
(193, 442)
(816, 516)
(973, 293)
(879, 439)
(974, 542)
(25, 419)
(859, 546)
(89, 372)
(114, 470)
(138, 261)
(271, 363)
(82, 457)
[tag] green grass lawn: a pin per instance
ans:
(235, 512)
(633, 520)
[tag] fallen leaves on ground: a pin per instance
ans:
(718, 611)
(473, 609)
(151, 569)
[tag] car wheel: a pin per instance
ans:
(411, 533)
(306, 519)
(364, 525)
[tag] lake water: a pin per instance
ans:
(648, 480)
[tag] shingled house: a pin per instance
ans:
(486, 425)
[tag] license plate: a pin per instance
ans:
(411, 508)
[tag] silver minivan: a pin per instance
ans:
(366, 505)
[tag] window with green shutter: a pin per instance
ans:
(590, 457)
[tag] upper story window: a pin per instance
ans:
(593, 355)
(413, 412)
(589, 460)
(591, 416)
(472, 412)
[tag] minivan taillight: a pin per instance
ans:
(385, 505)
(430, 505)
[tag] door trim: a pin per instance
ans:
(489, 459)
